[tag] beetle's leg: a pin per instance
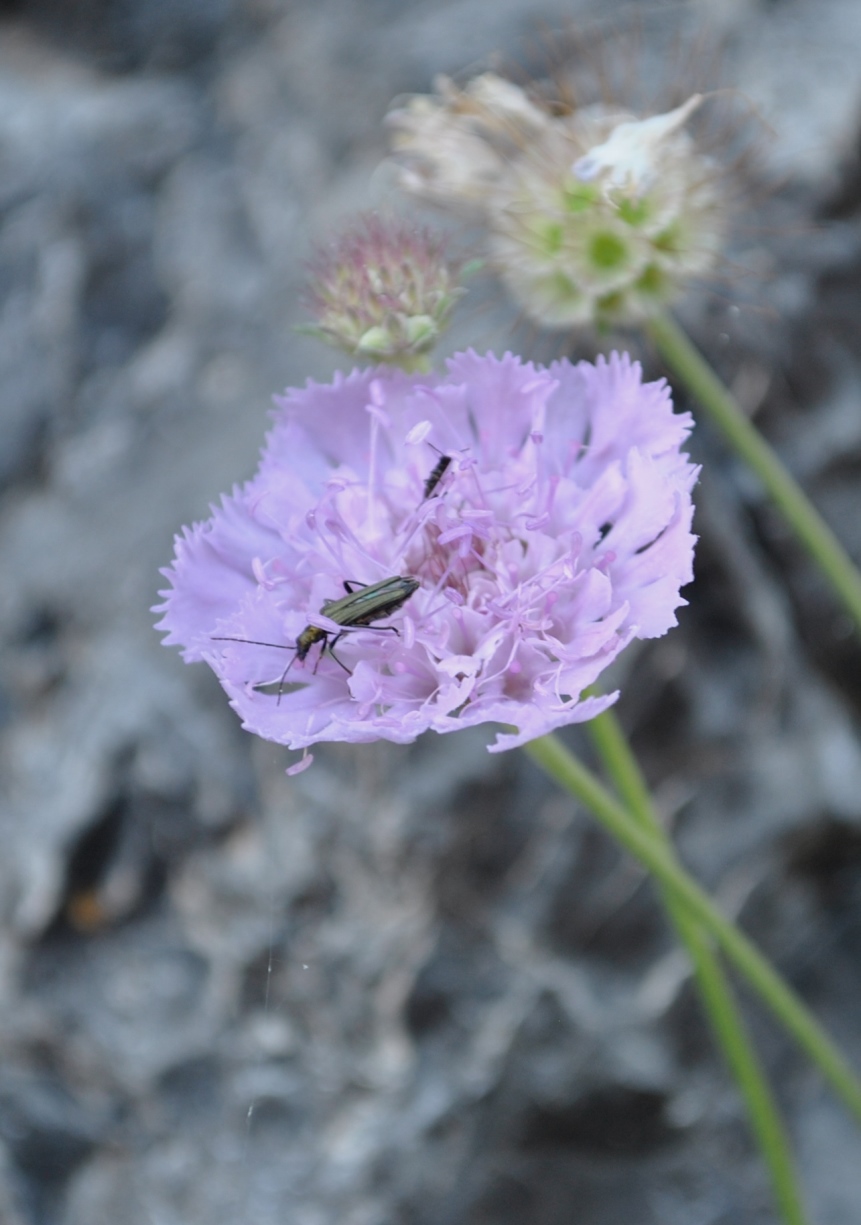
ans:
(347, 630)
(331, 650)
(325, 641)
(284, 677)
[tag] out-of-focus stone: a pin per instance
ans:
(409, 983)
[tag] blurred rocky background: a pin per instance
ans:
(410, 986)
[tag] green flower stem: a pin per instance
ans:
(808, 525)
(715, 990)
(654, 854)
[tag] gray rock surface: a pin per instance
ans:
(409, 985)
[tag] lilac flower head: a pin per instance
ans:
(558, 530)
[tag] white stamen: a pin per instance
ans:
(418, 433)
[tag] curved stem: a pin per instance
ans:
(554, 758)
(808, 525)
(715, 991)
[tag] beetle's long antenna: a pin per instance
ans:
(254, 642)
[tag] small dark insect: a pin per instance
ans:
(358, 608)
(440, 468)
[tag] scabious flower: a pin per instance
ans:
(558, 531)
(384, 291)
(593, 215)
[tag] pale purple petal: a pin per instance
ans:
(210, 575)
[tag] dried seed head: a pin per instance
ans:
(453, 148)
(593, 216)
(383, 292)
